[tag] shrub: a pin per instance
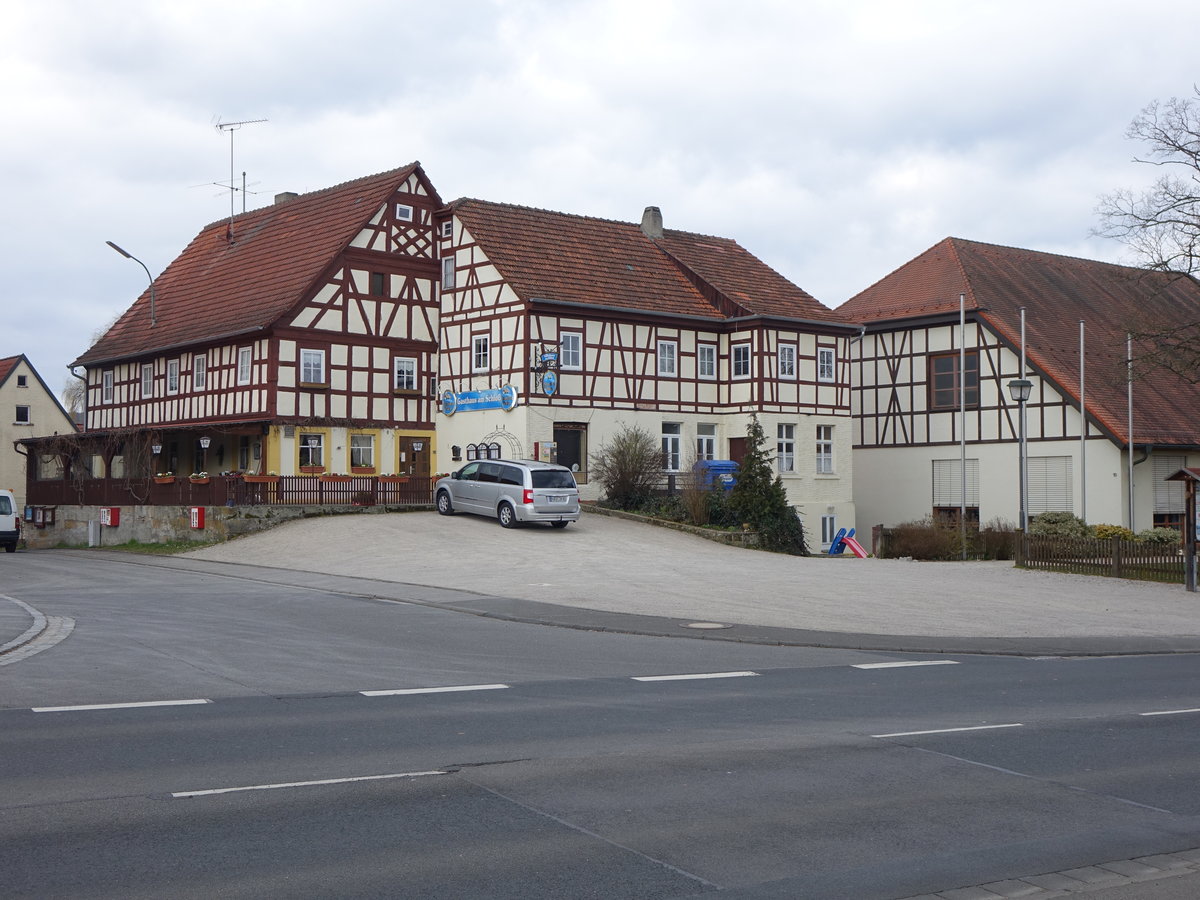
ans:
(923, 539)
(629, 465)
(1060, 524)
(1160, 536)
(759, 499)
(694, 494)
(1108, 532)
(995, 540)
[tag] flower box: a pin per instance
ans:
(260, 479)
(362, 470)
(164, 479)
(204, 480)
(335, 478)
(393, 479)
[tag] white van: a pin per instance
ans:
(10, 522)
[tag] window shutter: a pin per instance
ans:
(947, 482)
(1050, 484)
(1169, 496)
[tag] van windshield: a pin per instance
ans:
(552, 478)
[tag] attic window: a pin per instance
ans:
(22, 381)
(404, 212)
(378, 284)
(448, 229)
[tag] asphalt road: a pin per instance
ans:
(560, 772)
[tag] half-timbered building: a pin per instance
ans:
(925, 385)
(297, 338)
(558, 329)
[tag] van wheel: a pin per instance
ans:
(444, 506)
(560, 524)
(507, 517)
(10, 548)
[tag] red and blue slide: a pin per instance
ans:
(843, 540)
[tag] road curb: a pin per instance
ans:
(32, 633)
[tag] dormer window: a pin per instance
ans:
(404, 212)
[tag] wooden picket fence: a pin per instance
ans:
(1115, 558)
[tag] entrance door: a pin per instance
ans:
(737, 449)
(414, 458)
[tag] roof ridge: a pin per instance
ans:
(555, 212)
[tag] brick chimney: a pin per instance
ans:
(285, 197)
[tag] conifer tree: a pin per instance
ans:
(760, 500)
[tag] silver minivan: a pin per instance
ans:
(512, 490)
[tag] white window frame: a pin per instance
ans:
(318, 451)
(706, 361)
(829, 529)
(147, 380)
(448, 272)
(570, 351)
(740, 368)
(481, 353)
(245, 363)
(671, 446)
(404, 373)
(27, 419)
(366, 461)
(826, 364)
(312, 362)
(787, 361)
(785, 447)
(706, 441)
(404, 212)
(106, 386)
(824, 446)
(448, 229)
(668, 359)
(172, 376)
(200, 372)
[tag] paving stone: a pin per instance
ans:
(1056, 882)
(1131, 868)
(1091, 874)
(970, 893)
(1012, 889)
(1166, 861)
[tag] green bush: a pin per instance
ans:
(1108, 532)
(759, 499)
(1160, 536)
(1059, 524)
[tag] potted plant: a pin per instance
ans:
(164, 478)
(393, 479)
(269, 478)
(199, 478)
(335, 477)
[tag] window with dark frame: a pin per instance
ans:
(22, 416)
(378, 284)
(944, 379)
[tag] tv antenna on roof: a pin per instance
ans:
(231, 127)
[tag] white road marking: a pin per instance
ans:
(902, 665)
(694, 677)
(45, 709)
(948, 730)
(1170, 712)
(295, 784)
(435, 690)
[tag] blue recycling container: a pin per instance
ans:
(721, 472)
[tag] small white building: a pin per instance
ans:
(27, 409)
(909, 411)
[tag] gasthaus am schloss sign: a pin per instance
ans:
(504, 398)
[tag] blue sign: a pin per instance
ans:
(549, 383)
(504, 398)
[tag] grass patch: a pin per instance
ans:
(162, 548)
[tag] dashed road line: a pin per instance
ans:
(436, 690)
(949, 730)
(299, 784)
(138, 705)
(1170, 712)
(696, 677)
(905, 665)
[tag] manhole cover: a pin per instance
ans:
(708, 626)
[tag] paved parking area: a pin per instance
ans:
(618, 566)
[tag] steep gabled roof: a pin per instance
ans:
(1057, 292)
(555, 256)
(218, 288)
(7, 365)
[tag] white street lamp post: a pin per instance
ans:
(1020, 388)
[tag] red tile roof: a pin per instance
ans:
(7, 365)
(578, 259)
(1057, 292)
(217, 288)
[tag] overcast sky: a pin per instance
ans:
(834, 140)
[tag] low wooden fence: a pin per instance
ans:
(230, 490)
(1116, 558)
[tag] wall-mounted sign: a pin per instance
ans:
(504, 398)
(549, 383)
